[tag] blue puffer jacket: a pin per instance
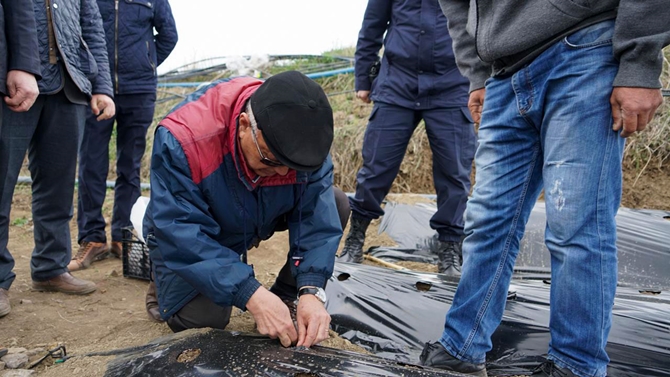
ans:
(81, 46)
(207, 207)
(418, 69)
(134, 51)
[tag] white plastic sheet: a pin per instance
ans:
(137, 215)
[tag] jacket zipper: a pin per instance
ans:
(116, 46)
(62, 55)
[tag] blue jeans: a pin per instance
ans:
(49, 131)
(452, 140)
(134, 114)
(549, 126)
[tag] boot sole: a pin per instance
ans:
(53, 289)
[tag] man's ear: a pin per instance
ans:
(244, 121)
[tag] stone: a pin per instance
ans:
(24, 301)
(35, 351)
(2, 365)
(12, 350)
(15, 360)
(17, 373)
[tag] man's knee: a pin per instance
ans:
(198, 313)
(343, 208)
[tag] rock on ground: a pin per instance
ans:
(17, 373)
(15, 360)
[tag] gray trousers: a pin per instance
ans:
(50, 133)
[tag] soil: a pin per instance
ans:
(113, 317)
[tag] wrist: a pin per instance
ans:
(318, 292)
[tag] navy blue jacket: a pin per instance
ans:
(207, 207)
(418, 69)
(81, 46)
(18, 40)
(134, 50)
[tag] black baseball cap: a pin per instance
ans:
(295, 118)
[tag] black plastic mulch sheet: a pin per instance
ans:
(643, 242)
(222, 353)
(393, 313)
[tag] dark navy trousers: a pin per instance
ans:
(49, 131)
(452, 140)
(134, 114)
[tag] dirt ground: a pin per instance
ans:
(114, 317)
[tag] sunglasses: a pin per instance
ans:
(264, 159)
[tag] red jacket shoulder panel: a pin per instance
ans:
(205, 124)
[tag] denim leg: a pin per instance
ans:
(134, 118)
(508, 182)
(452, 140)
(18, 130)
(52, 162)
(582, 175)
(564, 93)
(93, 169)
(385, 142)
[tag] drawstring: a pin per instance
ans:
(244, 225)
(297, 259)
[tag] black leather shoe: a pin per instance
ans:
(434, 355)
(549, 369)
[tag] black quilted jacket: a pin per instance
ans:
(81, 46)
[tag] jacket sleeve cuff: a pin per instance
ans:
(638, 75)
(310, 280)
(362, 84)
(34, 72)
(478, 81)
(247, 289)
(107, 93)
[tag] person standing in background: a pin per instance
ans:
(75, 73)
(19, 57)
(19, 70)
(558, 86)
(140, 36)
(417, 79)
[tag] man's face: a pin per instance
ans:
(256, 152)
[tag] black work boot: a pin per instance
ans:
(434, 355)
(449, 254)
(549, 369)
(353, 245)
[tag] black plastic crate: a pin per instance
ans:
(136, 261)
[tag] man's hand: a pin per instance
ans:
(634, 108)
(313, 321)
(102, 106)
(476, 103)
(272, 317)
(22, 90)
(363, 95)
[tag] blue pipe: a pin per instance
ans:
(147, 186)
(316, 75)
